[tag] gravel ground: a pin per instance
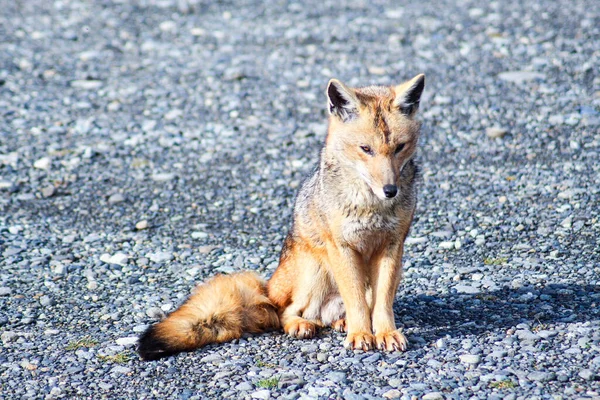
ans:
(146, 145)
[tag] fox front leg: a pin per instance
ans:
(350, 276)
(385, 278)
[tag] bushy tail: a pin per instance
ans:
(218, 311)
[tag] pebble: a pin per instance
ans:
(48, 191)
(520, 77)
(244, 387)
(127, 341)
(261, 394)
(433, 396)
(155, 313)
(587, 374)
(116, 198)
(540, 376)
(141, 225)
(43, 163)
(46, 301)
(527, 335)
(5, 291)
(163, 177)
(120, 370)
(495, 132)
(86, 84)
(8, 336)
(160, 256)
(118, 259)
(470, 358)
(392, 394)
(467, 289)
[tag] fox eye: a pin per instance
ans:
(367, 150)
(399, 148)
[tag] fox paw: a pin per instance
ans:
(359, 341)
(300, 329)
(391, 341)
(339, 325)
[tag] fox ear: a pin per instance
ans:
(342, 100)
(408, 95)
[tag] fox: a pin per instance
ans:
(341, 262)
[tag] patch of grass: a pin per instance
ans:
(262, 364)
(85, 341)
(495, 261)
(506, 384)
(269, 383)
(486, 297)
(120, 358)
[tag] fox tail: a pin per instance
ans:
(220, 310)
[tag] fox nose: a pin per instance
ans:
(390, 191)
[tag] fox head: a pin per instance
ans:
(373, 131)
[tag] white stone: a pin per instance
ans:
(86, 84)
(43, 163)
(127, 341)
(470, 358)
(199, 235)
(520, 76)
(119, 259)
(160, 256)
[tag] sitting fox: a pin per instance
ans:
(341, 262)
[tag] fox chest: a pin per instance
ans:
(366, 232)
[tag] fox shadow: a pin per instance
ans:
(455, 314)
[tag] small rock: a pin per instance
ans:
(446, 245)
(167, 26)
(86, 84)
(467, 289)
(48, 191)
(8, 336)
(142, 225)
(520, 76)
(5, 291)
(244, 387)
(546, 334)
(155, 312)
(264, 394)
(372, 358)
(160, 256)
(540, 376)
(116, 198)
(69, 239)
(470, 358)
(526, 335)
(495, 132)
(433, 396)
(127, 341)
(119, 369)
(173, 114)
(119, 259)
(163, 177)
(556, 120)
(42, 163)
(336, 376)
(199, 235)
(392, 394)
(92, 237)
(46, 301)
(587, 374)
